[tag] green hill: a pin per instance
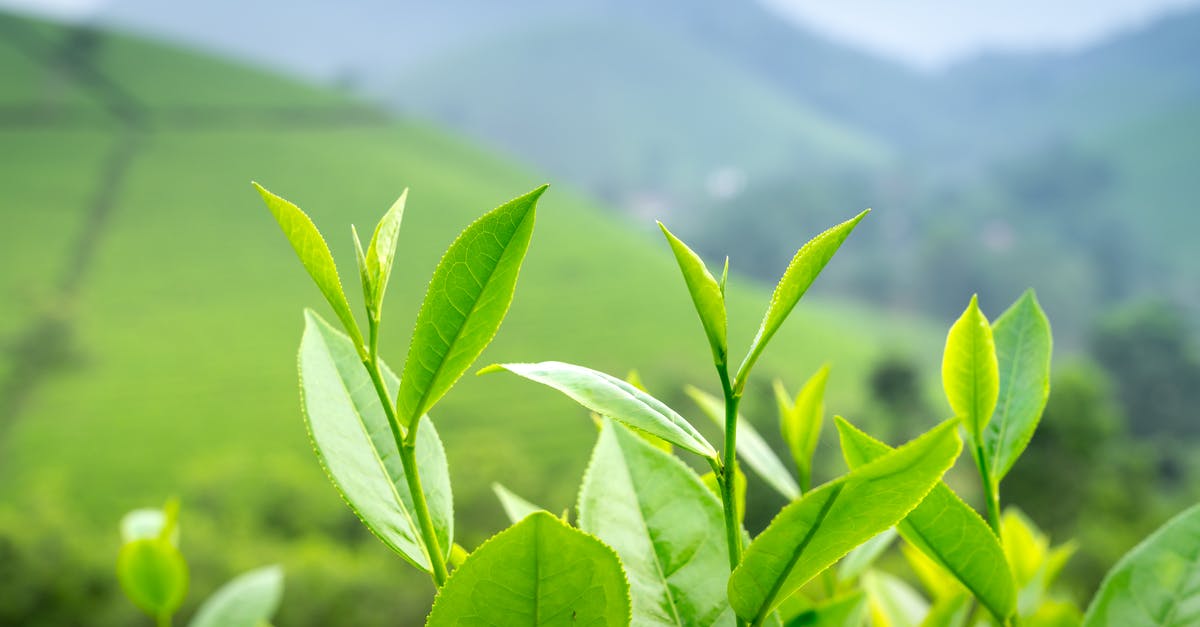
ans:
(152, 310)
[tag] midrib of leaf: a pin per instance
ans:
(379, 460)
(614, 382)
(1179, 591)
(1003, 432)
(537, 574)
(653, 546)
(458, 334)
(812, 532)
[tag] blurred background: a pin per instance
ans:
(150, 309)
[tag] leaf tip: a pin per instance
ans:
(489, 369)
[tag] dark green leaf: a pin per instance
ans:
(799, 276)
(467, 299)
(1023, 344)
(1155, 584)
(250, 600)
(947, 530)
(617, 399)
(814, 532)
(665, 525)
(537, 572)
(707, 295)
(314, 253)
(357, 446)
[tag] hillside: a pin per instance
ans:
(152, 310)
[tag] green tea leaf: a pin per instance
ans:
(537, 572)
(1157, 583)
(951, 611)
(864, 555)
(750, 446)
(249, 600)
(153, 574)
(515, 507)
(357, 446)
(946, 529)
(467, 299)
(970, 374)
(847, 610)
(814, 532)
(142, 524)
(617, 399)
(314, 253)
(893, 603)
(800, 421)
(665, 525)
(1023, 344)
(381, 253)
(707, 295)
(799, 276)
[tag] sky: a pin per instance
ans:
(934, 33)
(927, 34)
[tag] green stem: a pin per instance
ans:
(733, 527)
(407, 447)
(991, 491)
(408, 455)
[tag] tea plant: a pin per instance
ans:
(655, 543)
(154, 575)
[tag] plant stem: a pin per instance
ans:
(407, 447)
(408, 455)
(991, 491)
(733, 527)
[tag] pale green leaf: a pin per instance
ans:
(864, 555)
(707, 295)
(800, 421)
(750, 446)
(141, 524)
(946, 529)
(970, 374)
(381, 253)
(951, 611)
(665, 525)
(799, 276)
(616, 399)
(537, 572)
(249, 600)
(314, 253)
(846, 610)
(827, 523)
(893, 602)
(515, 507)
(1157, 583)
(465, 303)
(1023, 345)
(357, 445)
